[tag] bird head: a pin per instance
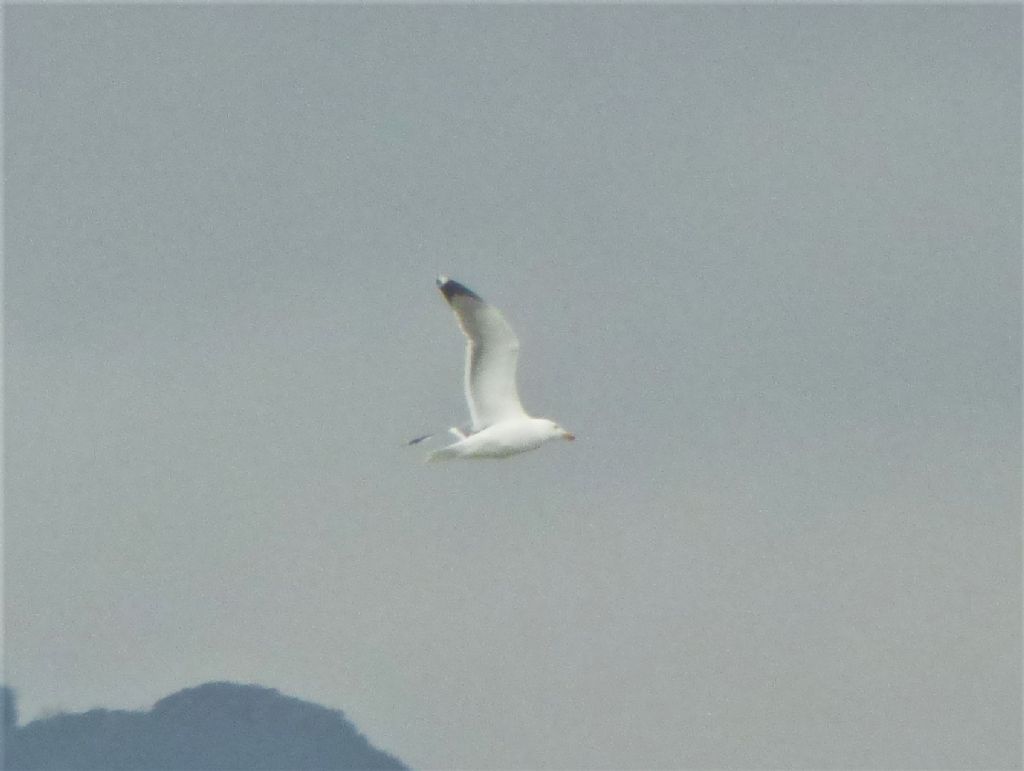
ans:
(555, 431)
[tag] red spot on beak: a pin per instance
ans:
(569, 437)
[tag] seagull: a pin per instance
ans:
(499, 425)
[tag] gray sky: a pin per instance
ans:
(764, 262)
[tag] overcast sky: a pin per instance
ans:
(764, 262)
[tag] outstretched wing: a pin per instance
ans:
(492, 350)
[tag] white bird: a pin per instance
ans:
(500, 426)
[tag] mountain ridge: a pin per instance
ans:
(216, 725)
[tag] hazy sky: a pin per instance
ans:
(764, 262)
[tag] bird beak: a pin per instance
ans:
(569, 437)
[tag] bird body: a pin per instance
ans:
(502, 440)
(500, 426)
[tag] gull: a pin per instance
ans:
(499, 425)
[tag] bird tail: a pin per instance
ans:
(445, 453)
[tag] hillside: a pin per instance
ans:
(213, 726)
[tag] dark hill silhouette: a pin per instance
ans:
(213, 727)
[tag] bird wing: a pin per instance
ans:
(492, 351)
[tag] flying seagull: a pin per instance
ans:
(500, 426)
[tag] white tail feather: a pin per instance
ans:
(445, 453)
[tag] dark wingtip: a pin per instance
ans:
(450, 288)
